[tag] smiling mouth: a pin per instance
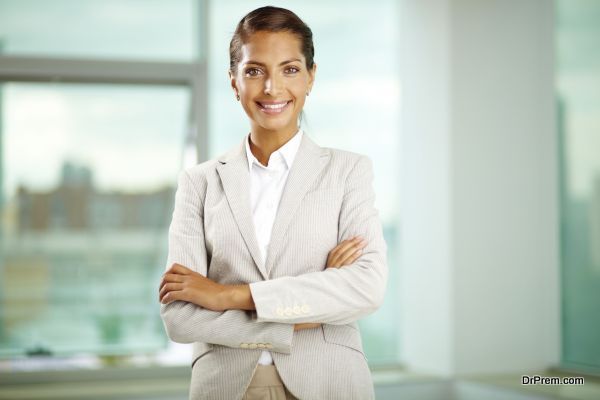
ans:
(273, 108)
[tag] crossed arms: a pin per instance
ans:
(196, 309)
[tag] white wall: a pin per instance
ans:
(479, 197)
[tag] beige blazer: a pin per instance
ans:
(328, 198)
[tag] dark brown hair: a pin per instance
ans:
(270, 19)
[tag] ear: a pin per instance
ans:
(311, 76)
(233, 82)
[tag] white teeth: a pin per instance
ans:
(274, 106)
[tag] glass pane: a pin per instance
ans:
(87, 177)
(578, 83)
(354, 105)
(123, 29)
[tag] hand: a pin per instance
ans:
(341, 255)
(346, 252)
(181, 283)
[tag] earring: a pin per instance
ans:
(237, 97)
(307, 93)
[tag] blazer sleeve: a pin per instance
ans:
(186, 322)
(336, 295)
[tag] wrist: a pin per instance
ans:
(238, 297)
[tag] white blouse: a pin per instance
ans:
(266, 188)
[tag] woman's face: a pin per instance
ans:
(272, 81)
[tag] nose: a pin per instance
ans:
(273, 86)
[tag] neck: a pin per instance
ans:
(264, 142)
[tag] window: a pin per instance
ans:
(98, 115)
(578, 80)
(95, 125)
(88, 175)
(109, 29)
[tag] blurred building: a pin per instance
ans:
(75, 204)
(87, 259)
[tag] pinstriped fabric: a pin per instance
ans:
(328, 198)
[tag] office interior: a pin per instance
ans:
(480, 117)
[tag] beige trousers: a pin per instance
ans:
(266, 384)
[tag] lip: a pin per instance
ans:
(273, 111)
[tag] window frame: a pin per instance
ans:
(77, 70)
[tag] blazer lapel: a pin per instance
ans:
(308, 163)
(233, 170)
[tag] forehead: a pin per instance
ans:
(276, 46)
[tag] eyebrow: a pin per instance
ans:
(280, 64)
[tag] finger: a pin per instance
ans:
(351, 259)
(345, 262)
(350, 251)
(353, 250)
(172, 278)
(161, 290)
(344, 244)
(170, 297)
(179, 269)
(169, 287)
(334, 258)
(166, 278)
(341, 248)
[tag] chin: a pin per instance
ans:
(274, 125)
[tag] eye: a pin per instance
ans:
(252, 71)
(292, 70)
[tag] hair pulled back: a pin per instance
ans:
(270, 19)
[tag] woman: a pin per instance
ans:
(259, 236)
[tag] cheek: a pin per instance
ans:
(248, 92)
(299, 104)
(249, 87)
(299, 87)
(300, 98)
